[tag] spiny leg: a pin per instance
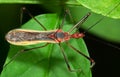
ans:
(90, 59)
(27, 11)
(67, 62)
(23, 50)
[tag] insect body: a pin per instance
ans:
(28, 37)
(24, 37)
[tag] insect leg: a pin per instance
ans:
(70, 16)
(90, 59)
(67, 62)
(80, 22)
(61, 25)
(21, 16)
(67, 11)
(23, 9)
(22, 51)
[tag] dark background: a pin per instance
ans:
(106, 57)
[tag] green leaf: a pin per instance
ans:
(47, 61)
(102, 7)
(108, 28)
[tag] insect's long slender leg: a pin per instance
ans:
(67, 11)
(61, 25)
(27, 11)
(90, 59)
(24, 50)
(21, 51)
(67, 62)
(80, 22)
(63, 20)
(70, 16)
(21, 16)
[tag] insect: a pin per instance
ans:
(28, 37)
(53, 36)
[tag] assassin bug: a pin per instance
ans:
(56, 31)
(29, 37)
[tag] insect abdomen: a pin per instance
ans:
(28, 37)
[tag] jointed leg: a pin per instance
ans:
(90, 59)
(80, 22)
(27, 11)
(67, 62)
(21, 51)
(24, 50)
(70, 16)
(67, 11)
(63, 20)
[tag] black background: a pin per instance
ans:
(106, 57)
